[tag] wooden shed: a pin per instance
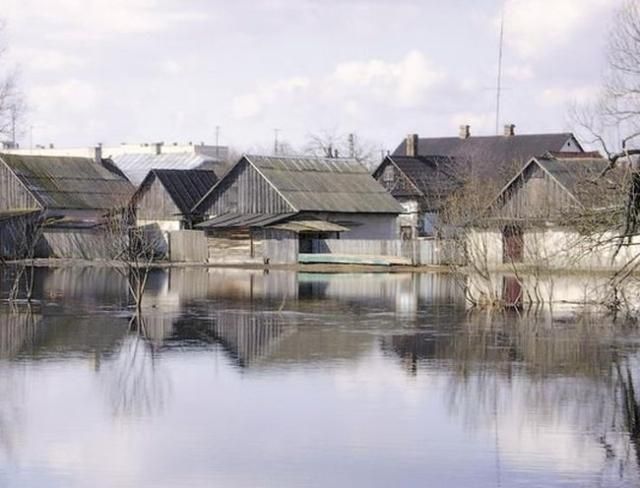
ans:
(165, 200)
(562, 210)
(71, 194)
(270, 208)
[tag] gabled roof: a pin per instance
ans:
(492, 157)
(431, 178)
(69, 183)
(583, 177)
(137, 166)
(312, 184)
(185, 187)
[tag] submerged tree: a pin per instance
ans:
(133, 250)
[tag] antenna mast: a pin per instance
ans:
(499, 83)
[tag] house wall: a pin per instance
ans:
(239, 246)
(245, 191)
(484, 248)
(15, 235)
(362, 226)
(280, 247)
(538, 195)
(13, 195)
(155, 204)
(74, 244)
(558, 248)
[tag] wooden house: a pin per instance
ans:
(421, 184)
(72, 196)
(423, 172)
(165, 199)
(287, 202)
(562, 210)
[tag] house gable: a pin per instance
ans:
(534, 194)
(395, 181)
(153, 201)
(243, 190)
(13, 193)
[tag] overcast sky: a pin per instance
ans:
(144, 70)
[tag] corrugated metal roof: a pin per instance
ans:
(325, 185)
(185, 187)
(490, 157)
(70, 183)
(137, 166)
(243, 220)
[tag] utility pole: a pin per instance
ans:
(275, 141)
(217, 141)
(13, 126)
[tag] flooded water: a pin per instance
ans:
(252, 379)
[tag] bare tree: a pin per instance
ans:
(11, 100)
(134, 250)
(332, 144)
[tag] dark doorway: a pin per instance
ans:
(512, 244)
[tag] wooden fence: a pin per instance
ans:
(188, 246)
(419, 252)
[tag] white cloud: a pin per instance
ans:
(91, 19)
(533, 27)
(554, 96)
(520, 72)
(351, 85)
(72, 94)
(251, 104)
(404, 83)
(43, 59)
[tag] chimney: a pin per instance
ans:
(97, 151)
(411, 145)
(465, 131)
(158, 147)
(510, 130)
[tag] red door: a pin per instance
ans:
(512, 244)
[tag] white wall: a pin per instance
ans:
(484, 247)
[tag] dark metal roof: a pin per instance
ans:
(243, 220)
(137, 166)
(325, 185)
(491, 157)
(185, 187)
(69, 183)
(430, 178)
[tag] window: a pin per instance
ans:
(387, 175)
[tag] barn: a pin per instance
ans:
(165, 199)
(562, 210)
(71, 195)
(271, 208)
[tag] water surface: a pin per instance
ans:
(246, 378)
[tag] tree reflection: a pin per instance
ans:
(136, 384)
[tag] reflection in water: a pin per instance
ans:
(136, 384)
(384, 379)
